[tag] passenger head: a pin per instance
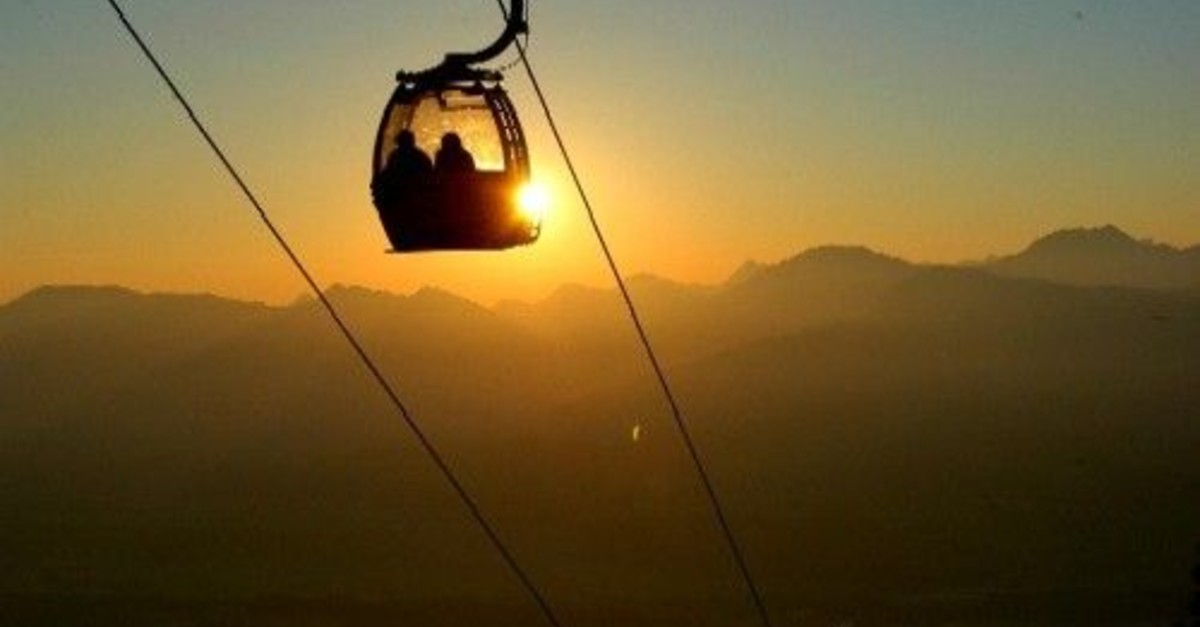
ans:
(451, 141)
(406, 139)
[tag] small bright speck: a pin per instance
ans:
(637, 433)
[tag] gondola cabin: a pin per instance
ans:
(428, 195)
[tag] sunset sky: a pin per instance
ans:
(708, 133)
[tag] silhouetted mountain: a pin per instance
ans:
(687, 321)
(842, 267)
(745, 272)
(1103, 256)
(895, 444)
(818, 285)
(73, 343)
(571, 312)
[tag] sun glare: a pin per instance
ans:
(533, 199)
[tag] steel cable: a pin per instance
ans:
(360, 351)
(685, 433)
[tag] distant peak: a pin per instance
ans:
(842, 254)
(1103, 240)
(426, 295)
(575, 295)
(746, 272)
(822, 264)
(839, 250)
(344, 295)
(342, 290)
(1103, 255)
(646, 281)
(91, 294)
(430, 293)
(76, 292)
(97, 299)
(1104, 236)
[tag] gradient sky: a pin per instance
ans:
(708, 133)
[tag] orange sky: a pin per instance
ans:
(937, 131)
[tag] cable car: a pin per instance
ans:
(450, 169)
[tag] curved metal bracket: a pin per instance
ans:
(516, 25)
(457, 65)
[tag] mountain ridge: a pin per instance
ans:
(1100, 256)
(864, 413)
(1122, 261)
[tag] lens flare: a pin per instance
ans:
(533, 199)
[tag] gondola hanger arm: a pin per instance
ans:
(458, 65)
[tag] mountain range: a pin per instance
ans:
(1103, 256)
(1011, 441)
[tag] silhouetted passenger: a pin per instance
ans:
(407, 159)
(406, 163)
(452, 157)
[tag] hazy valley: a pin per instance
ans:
(1015, 442)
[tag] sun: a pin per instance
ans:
(533, 200)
